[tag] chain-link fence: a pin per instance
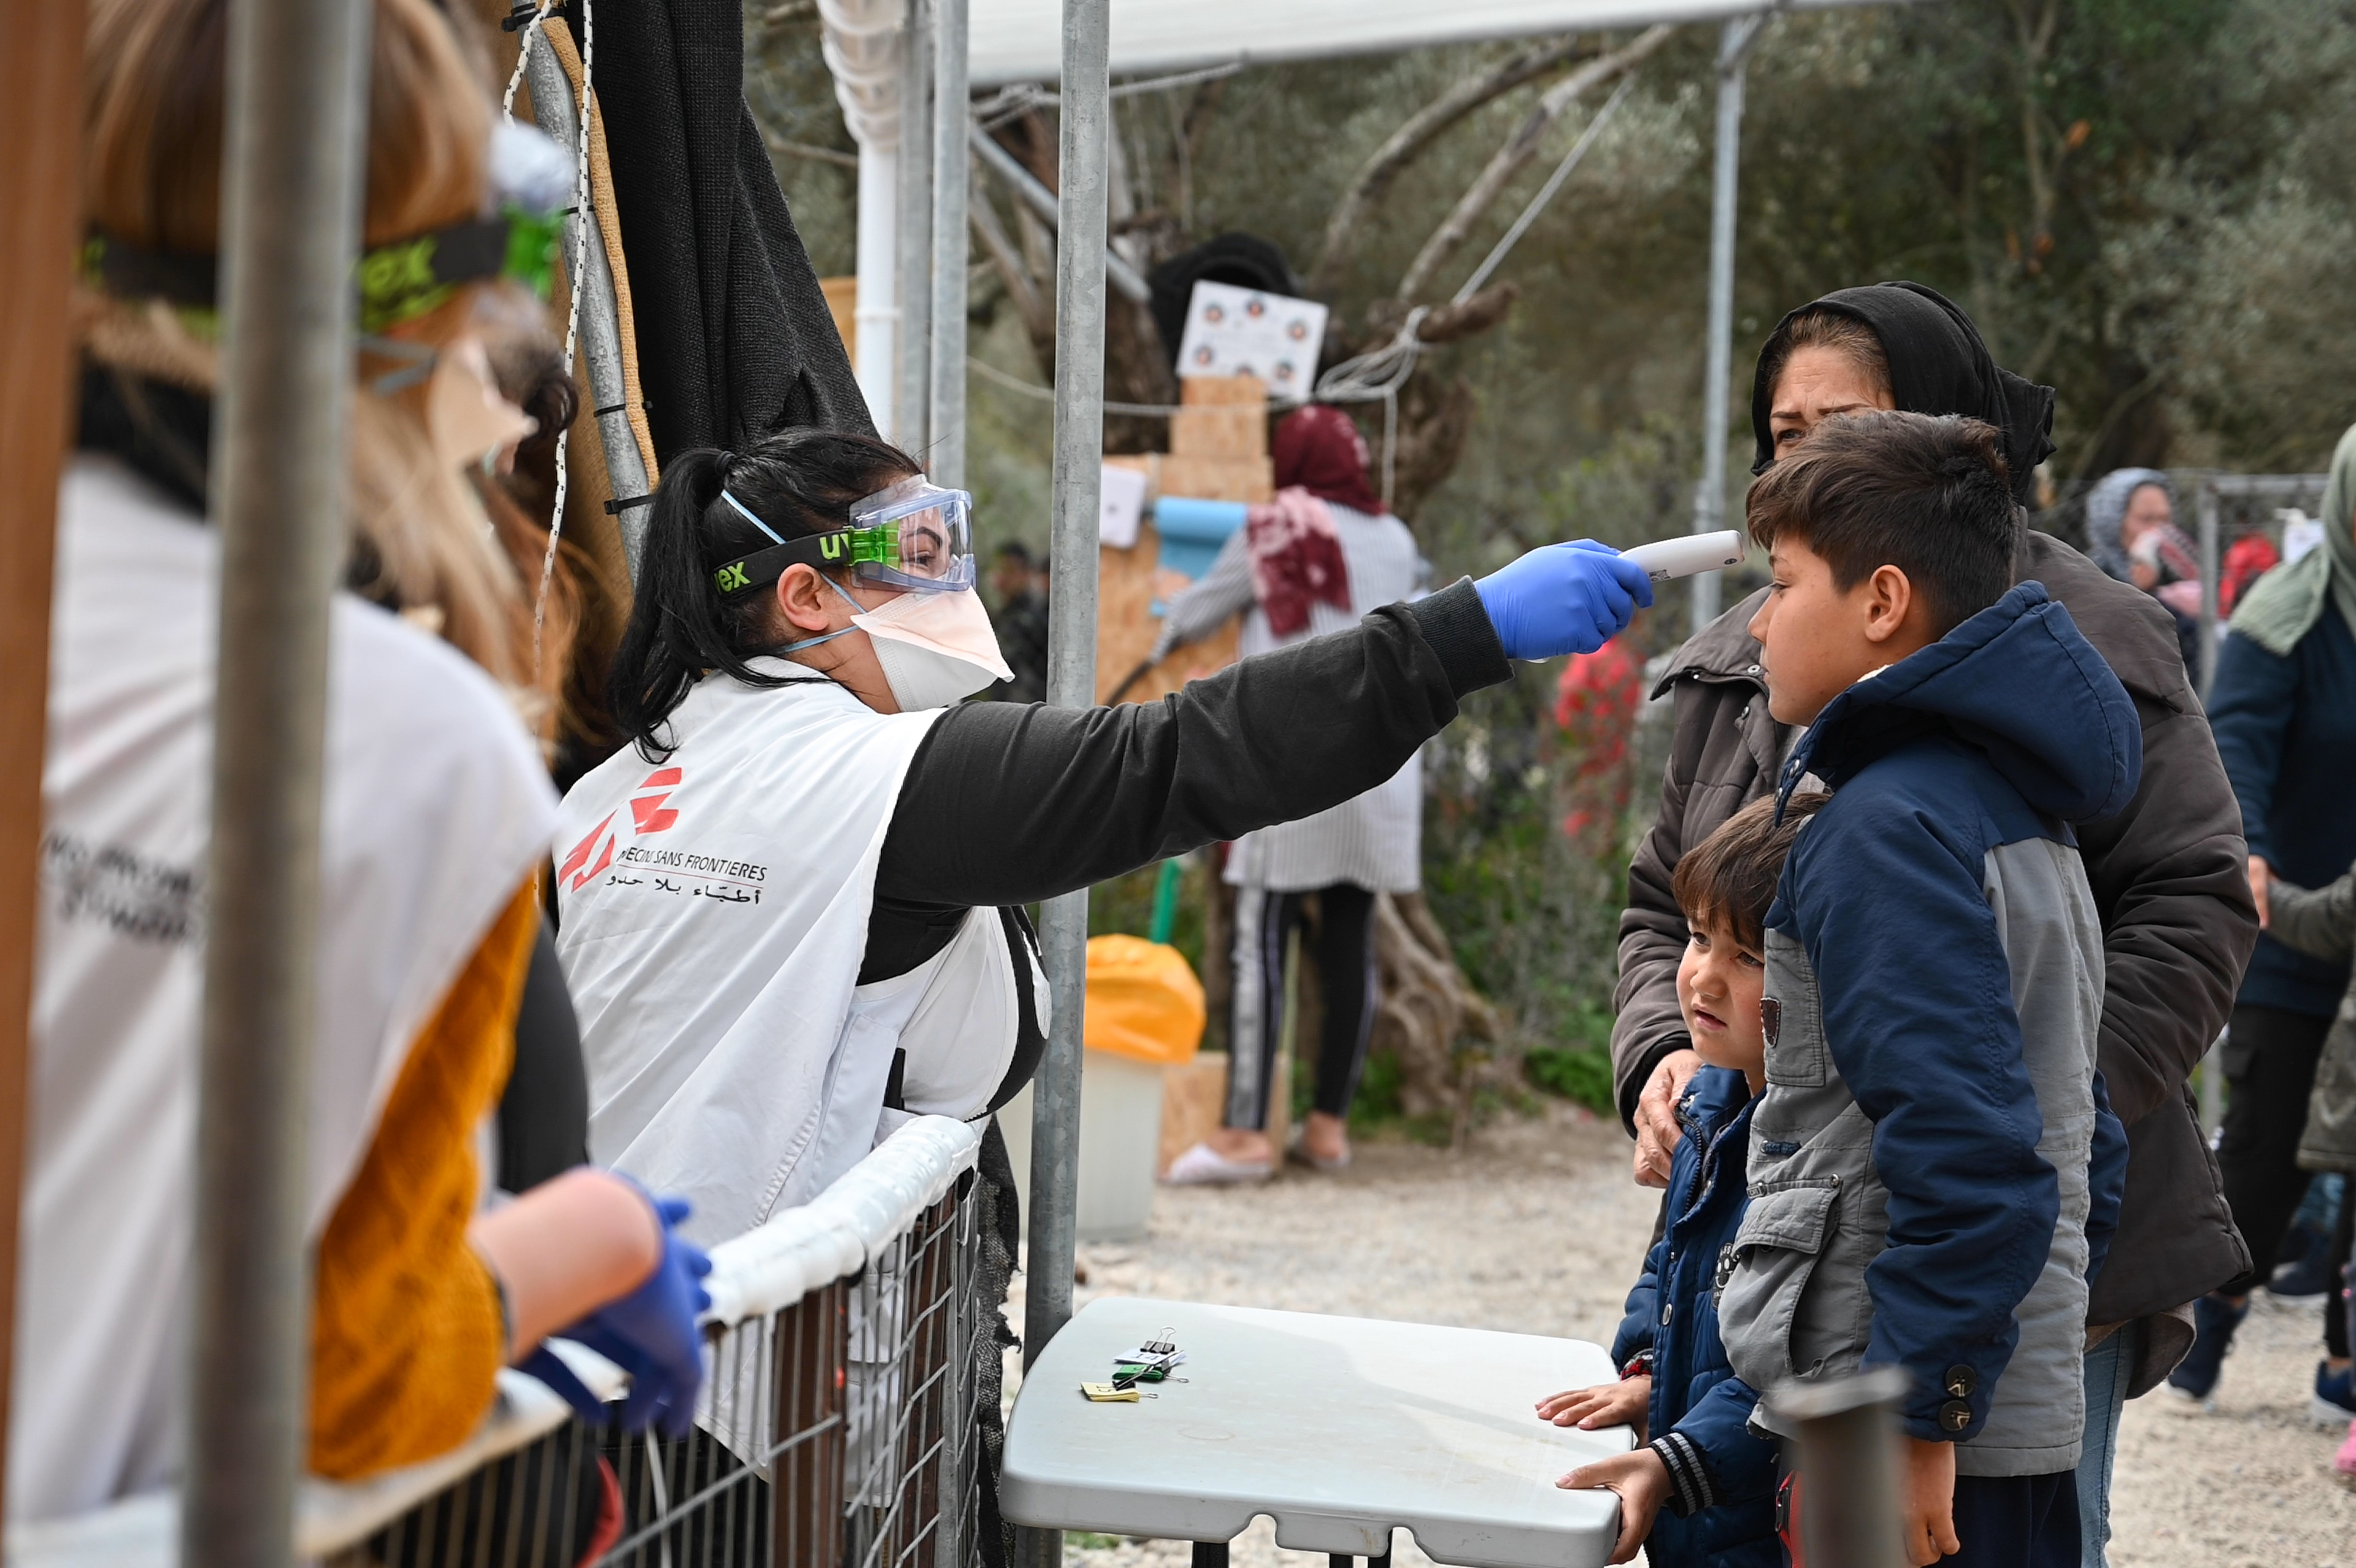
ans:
(840, 1425)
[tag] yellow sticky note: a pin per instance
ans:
(1105, 1393)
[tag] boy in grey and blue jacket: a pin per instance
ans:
(1933, 1168)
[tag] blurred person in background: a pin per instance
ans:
(1022, 623)
(2166, 872)
(1597, 699)
(435, 820)
(2249, 557)
(2283, 705)
(2131, 531)
(1323, 554)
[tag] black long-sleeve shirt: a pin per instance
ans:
(1007, 804)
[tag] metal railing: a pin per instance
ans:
(838, 1425)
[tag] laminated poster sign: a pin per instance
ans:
(1232, 331)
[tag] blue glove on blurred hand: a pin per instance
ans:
(1563, 599)
(649, 1334)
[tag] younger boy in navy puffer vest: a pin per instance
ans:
(1715, 1478)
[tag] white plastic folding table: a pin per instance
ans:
(1341, 1429)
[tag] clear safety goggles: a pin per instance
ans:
(914, 537)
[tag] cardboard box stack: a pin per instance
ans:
(1219, 452)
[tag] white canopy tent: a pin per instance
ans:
(1022, 40)
(1019, 40)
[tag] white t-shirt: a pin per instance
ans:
(436, 808)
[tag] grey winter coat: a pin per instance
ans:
(2170, 882)
(1934, 1173)
(2322, 924)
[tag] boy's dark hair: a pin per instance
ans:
(1926, 494)
(1728, 879)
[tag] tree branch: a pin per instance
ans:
(1374, 177)
(1038, 319)
(1520, 148)
(786, 149)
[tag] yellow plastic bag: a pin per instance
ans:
(1144, 1001)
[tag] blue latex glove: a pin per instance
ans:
(1563, 599)
(649, 1334)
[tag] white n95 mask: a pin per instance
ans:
(936, 648)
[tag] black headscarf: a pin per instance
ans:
(734, 339)
(1938, 365)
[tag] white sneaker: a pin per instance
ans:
(2185, 1403)
(1203, 1166)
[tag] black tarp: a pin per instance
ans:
(733, 336)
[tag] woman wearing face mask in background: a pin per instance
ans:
(2166, 872)
(790, 910)
(2131, 532)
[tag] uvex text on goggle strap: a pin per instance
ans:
(398, 281)
(914, 536)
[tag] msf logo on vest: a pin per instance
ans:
(587, 861)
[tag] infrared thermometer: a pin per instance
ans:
(1664, 559)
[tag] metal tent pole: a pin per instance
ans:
(952, 179)
(2209, 547)
(553, 107)
(1709, 500)
(1071, 660)
(1845, 1430)
(297, 87)
(40, 148)
(911, 387)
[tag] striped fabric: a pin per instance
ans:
(1691, 1487)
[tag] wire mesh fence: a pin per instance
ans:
(840, 1425)
(835, 1430)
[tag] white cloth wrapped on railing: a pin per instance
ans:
(769, 1269)
(752, 1275)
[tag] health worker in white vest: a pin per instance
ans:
(790, 910)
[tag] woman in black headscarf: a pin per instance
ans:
(1893, 346)
(2166, 872)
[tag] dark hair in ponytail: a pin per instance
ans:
(801, 482)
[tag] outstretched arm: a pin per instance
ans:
(1207, 601)
(1007, 804)
(2321, 923)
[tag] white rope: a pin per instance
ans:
(584, 219)
(1546, 192)
(1377, 376)
(1009, 102)
(1047, 394)
(523, 57)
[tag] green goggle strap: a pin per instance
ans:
(824, 551)
(398, 281)
(844, 546)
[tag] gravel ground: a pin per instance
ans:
(1538, 1230)
(2248, 1486)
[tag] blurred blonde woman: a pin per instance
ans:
(436, 821)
